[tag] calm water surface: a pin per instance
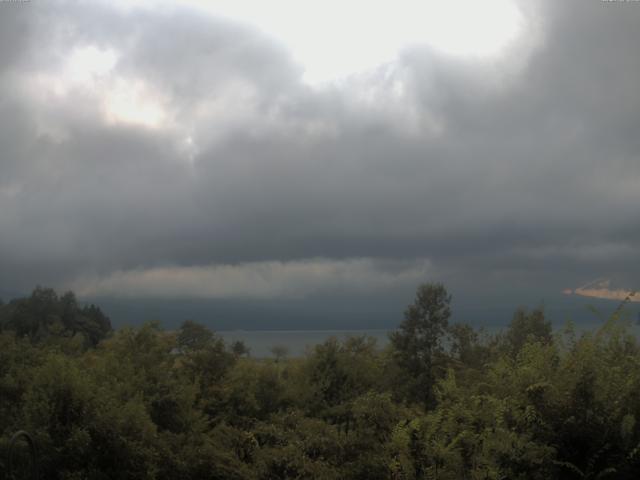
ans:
(296, 341)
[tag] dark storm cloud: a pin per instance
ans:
(519, 171)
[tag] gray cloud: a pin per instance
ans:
(515, 173)
(257, 280)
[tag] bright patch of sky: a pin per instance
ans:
(90, 71)
(333, 39)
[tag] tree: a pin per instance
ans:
(417, 341)
(98, 326)
(280, 352)
(194, 336)
(45, 315)
(239, 348)
(528, 327)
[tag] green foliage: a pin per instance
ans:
(417, 342)
(45, 316)
(193, 337)
(150, 404)
(527, 327)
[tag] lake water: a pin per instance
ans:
(296, 341)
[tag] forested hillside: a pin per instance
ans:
(442, 401)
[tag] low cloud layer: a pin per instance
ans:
(136, 138)
(257, 280)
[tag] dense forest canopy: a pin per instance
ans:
(442, 401)
(45, 315)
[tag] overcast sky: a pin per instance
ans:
(263, 150)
